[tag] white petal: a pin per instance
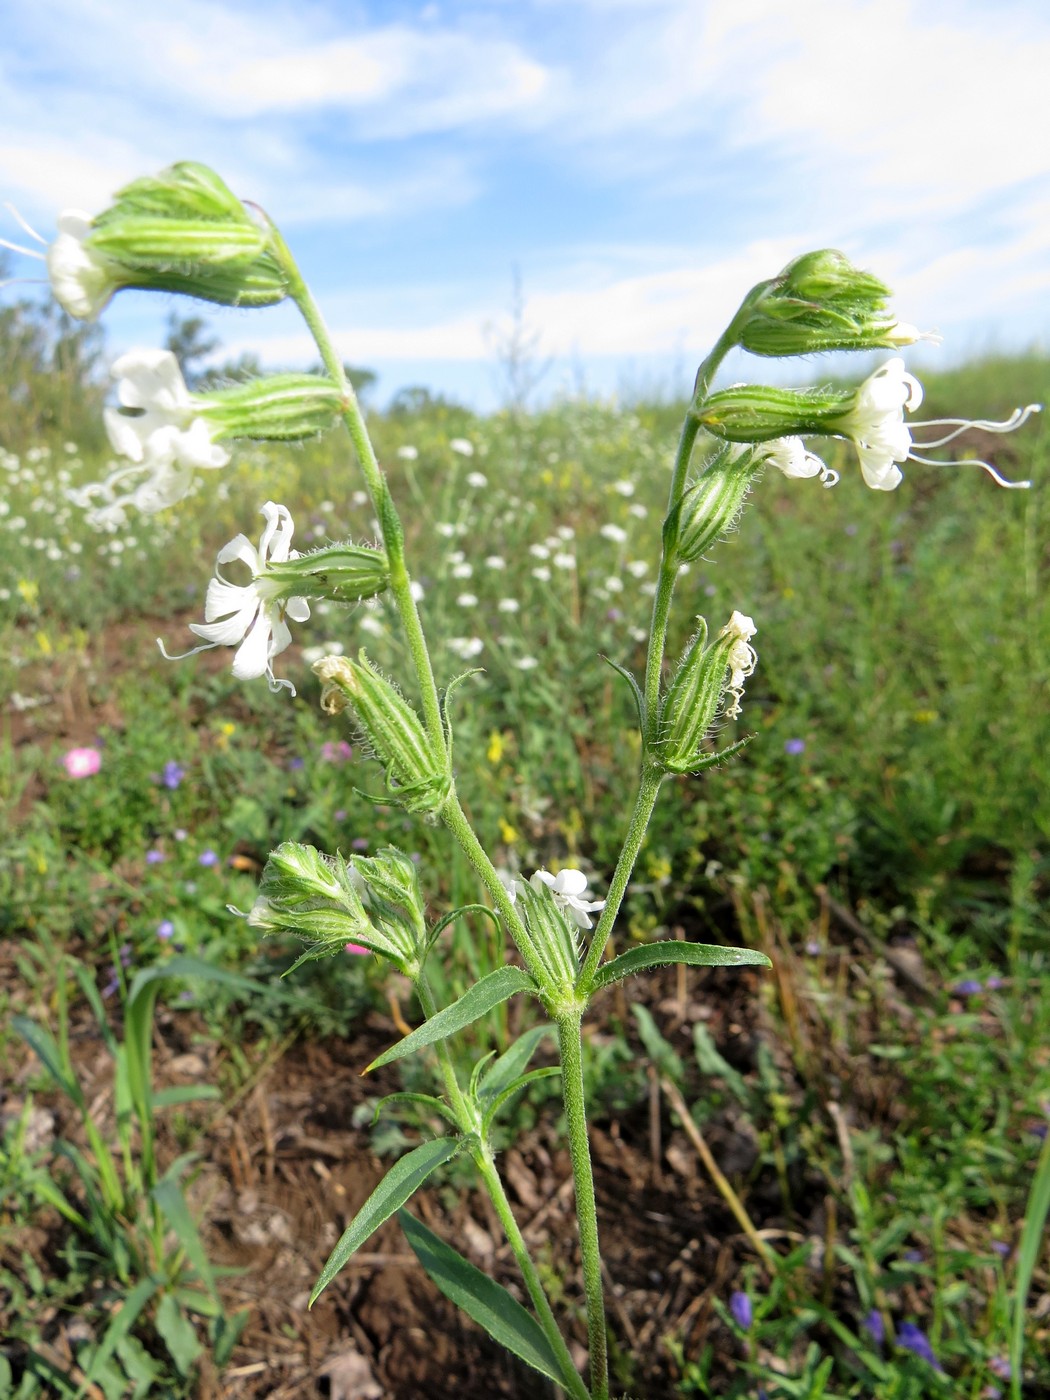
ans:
(224, 598)
(151, 378)
(229, 631)
(241, 547)
(280, 637)
(570, 882)
(544, 877)
(194, 447)
(252, 657)
(298, 609)
(122, 434)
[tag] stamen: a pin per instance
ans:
(986, 425)
(24, 282)
(26, 252)
(22, 224)
(194, 651)
(973, 462)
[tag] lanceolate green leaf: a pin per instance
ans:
(487, 1302)
(512, 1062)
(497, 987)
(168, 1196)
(659, 954)
(400, 1182)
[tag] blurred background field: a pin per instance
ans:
(882, 1096)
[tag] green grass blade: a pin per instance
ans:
(1027, 1256)
(481, 1298)
(672, 951)
(400, 1183)
(172, 1203)
(45, 1046)
(497, 987)
(119, 1328)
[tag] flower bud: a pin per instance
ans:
(393, 898)
(314, 897)
(275, 408)
(180, 231)
(343, 573)
(705, 674)
(820, 301)
(711, 505)
(418, 776)
(552, 936)
(759, 413)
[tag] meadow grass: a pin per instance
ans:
(891, 811)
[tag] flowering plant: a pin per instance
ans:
(187, 219)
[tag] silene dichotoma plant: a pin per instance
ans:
(183, 231)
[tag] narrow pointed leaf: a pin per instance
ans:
(672, 951)
(168, 1196)
(400, 1182)
(497, 987)
(512, 1062)
(481, 1298)
(46, 1047)
(501, 1100)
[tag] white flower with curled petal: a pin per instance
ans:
(249, 616)
(568, 888)
(164, 424)
(876, 423)
(741, 658)
(790, 456)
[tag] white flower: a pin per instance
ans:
(638, 510)
(568, 888)
(465, 647)
(616, 533)
(638, 568)
(564, 561)
(565, 533)
(876, 423)
(741, 659)
(542, 573)
(467, 600)
(407, 452)
(81, 280)
(508, 605)
(165, 426)
(526, 663)
(462, 446)
(477, 480)
(462, 570)
(248, 617)
(495, 561)
(539, 551)
(789, 455)
(624, 488)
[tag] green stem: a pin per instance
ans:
(378, 490)
(482, 1156)
(454, 817)
(570, 1046)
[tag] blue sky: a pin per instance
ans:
(639, 163)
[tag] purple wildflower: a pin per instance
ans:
(968, 987)
(173, 774)
(914, 1339)
(794, 746)
(1000, 1366)
(165, 929)
(875, 1327)
(360, 843)
(336, 751)
(993, 984)
(155, 857)
(294, 764)
(740, 1308)
(208, 857)
(180, 833)
(1001, 1248)
(339, 815)
(125, 955)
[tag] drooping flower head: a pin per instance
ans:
(249, 616)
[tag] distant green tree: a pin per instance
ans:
(190, 341)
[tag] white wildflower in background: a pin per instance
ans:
(614, 584)
(477, 480)
(417, 590)
(373, 625)
(526, 663)
(539, 551)
(495, 561)
(638, 510)
(247, 616)
(624, 488)
(565, 533)
(616, 533)
(462, 446)
(542, 573)
(446, 530)
(564, 561)
(462, 570)
(638, 568)
(467, 600)
(569, 888)
(466, 648)
(508, 605)
(407, 452)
